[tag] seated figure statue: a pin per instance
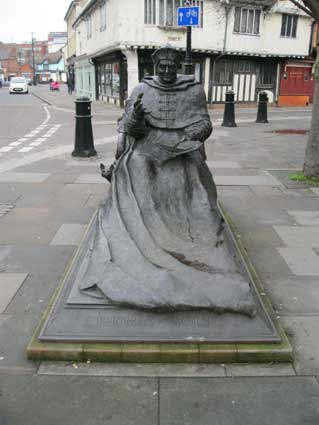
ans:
(158, 241)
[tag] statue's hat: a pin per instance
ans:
(167, 52)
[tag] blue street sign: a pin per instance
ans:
(188, 16)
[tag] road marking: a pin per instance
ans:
(49, 153)
(15, 144)
(40, 139)
(25, 150)
(35, 143)
(6, 149)
(22, 140)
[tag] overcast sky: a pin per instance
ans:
(18, 18)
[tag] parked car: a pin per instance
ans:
(18, 85)
(54, 85)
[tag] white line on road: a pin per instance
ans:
(25, 149)
(6, 149)
(49, 153)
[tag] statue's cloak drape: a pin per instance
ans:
(157, 242)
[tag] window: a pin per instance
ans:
(223, 72)
(150, 12)
(89, 27)
(109, 79)
(168, 11)
(247, 21)
(103, 16)
(267, 74)
(289, 25)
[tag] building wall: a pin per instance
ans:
(269, 40)
(132, 29)
(99, 39)
(126, 32)
(71, 44)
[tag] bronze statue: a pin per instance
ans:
(158, 242)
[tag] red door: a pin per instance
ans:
(298, 81)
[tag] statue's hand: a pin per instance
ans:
(139, 109)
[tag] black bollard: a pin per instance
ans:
(262, 108)
(84, 145)
(229, 112)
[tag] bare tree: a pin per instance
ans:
(311, 163)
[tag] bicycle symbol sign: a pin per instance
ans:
(188, 16)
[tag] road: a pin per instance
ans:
(32, 130)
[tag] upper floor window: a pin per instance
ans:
(289, 25)
(150, 12)
(89, 27)
(247, 20)
(167, 11)
(103, 16)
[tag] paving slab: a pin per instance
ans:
(69, 234)
(79, 401)
(306, 218)
(268, 369)
(240, 401)
(246, 181)
(303, 334)
(223, 164)
(9, 285)
(132, 370)
(301, 261)
(20, 233)
(299, 236)
(15, 333)
(14, 177)
(293, 295)
(90, 179)
(34, 258)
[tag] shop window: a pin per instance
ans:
(150, 12)
(244, 66)
(247, 20)
(108, 77)
(103, 16)
(223, 72)
(289, 25)
(168, 11)
(267, 74)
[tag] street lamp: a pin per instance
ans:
(33, 62)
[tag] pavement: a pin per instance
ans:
(46, 201)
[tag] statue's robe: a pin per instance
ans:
(158, 239)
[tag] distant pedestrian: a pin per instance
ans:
(70, 85)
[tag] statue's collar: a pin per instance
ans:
(181, 83)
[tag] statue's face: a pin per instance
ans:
(167, 71)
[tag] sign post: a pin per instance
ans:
(188, 17)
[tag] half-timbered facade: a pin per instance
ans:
(238, 45)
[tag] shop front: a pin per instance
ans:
(111, 78)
